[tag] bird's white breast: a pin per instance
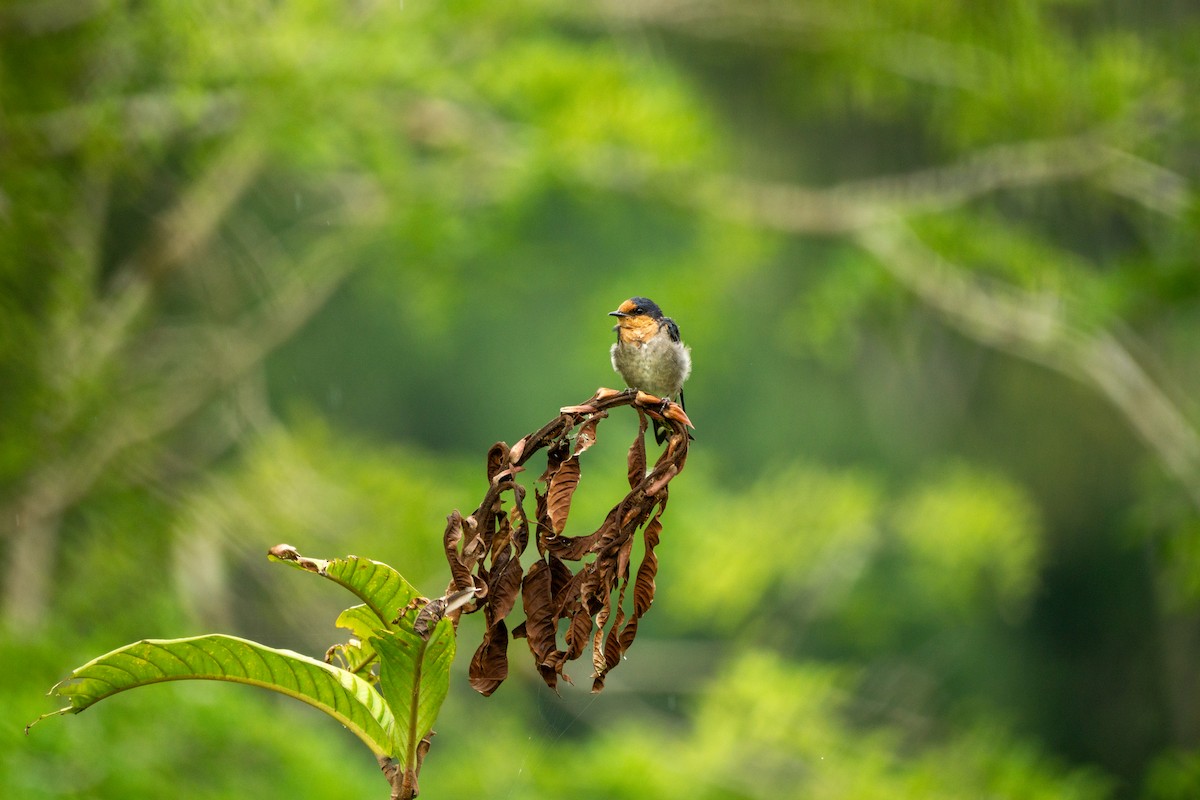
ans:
(658, 366)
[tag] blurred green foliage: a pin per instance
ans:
(283, 271)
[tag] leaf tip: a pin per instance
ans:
(283, 552)
(675, 412)
(288, 554)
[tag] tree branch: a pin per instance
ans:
(1036, 327)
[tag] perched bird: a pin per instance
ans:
(648, 352)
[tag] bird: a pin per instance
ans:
(648, 353)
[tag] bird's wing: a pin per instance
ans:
(672, 329)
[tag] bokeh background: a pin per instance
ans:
(283, 272)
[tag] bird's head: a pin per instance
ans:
(638, 319)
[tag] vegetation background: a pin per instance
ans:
(283, 271)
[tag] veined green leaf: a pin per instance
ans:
(359, 653)
(380, 587)
(362, 622)
(344, 696)
(415, 676)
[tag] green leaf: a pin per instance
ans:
(344, 696)
(415, 676)
(381, 588)
(363, 622)
(359, 653)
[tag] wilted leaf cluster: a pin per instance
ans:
(484, 549)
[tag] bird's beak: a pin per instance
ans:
(617, 314)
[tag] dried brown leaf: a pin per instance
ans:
(623, 553)
(572, 548)
(643, 588)
(578, 632)
(595, 589)
(541, 521)
(560, 491)
(472, 544)
(637, 453)
(497, 459)
(520, 536)
(460, 573)
(505, 584)
(560, 574)
(540, 624)
(628, 634)
(502, 535)
(609, 655)
(489, 665)
(587, 432)
(598, 668)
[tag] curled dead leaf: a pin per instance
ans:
(460, 573)
(497, 459)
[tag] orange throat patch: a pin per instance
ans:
(636, 330)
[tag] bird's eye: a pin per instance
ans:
(636, 310)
